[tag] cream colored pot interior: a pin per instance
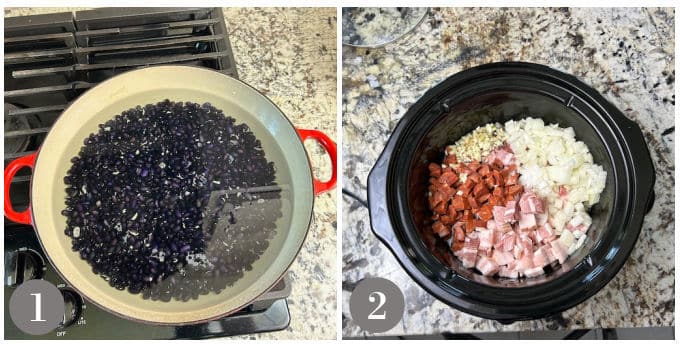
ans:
(150, 85)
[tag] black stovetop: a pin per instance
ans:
(49, 61)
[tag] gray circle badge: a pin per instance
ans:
(36, 307)
(376, 304)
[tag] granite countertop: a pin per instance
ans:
(289, 55)
(626, 54)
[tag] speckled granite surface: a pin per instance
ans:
(626, 54)
(290, 55)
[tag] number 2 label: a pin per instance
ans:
(381, 302)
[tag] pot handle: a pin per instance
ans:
(332, 150)
(12, 168)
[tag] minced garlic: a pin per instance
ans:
(478, 144)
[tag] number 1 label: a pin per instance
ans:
(38, 314)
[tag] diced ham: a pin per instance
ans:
(468, 255)
(508, 272)
(491, 224)
(527, 221)
(558, 251)
(504, 214)
(517, 251)
(468, 258)
(540, 259)
(504, 227)
(508, 240)
(526, 245)
(533, 272)
(544, 233)
(486, 239)
(541, 219)
(499, 215)
(547, 251)
(487, 266)
(497, 242)
(511, 211)
(525, 263)
(505, 157)
(502, 257)
(530, 203)
(491, 158)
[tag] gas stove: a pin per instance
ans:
(52, 59)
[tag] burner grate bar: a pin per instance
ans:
(35, 110)
(27, 132)
(123, 64)
(66, 36)
(150, 44)
(9, 57)
(48, 89)
(151, 27)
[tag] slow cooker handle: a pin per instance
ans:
(332, 150)
(11, 170)
(645, 174)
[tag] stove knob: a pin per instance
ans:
(73, 307)
(23, 266)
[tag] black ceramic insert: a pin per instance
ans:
(499, 92)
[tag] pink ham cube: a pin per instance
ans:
(505, 271)
(547, 251)
(529, 203)
(485, 239)
(504, 227)
(509, 271)
(541, 219)
(497, 240)
(544, 233)
(527, 221)
(469, 259)
(511, 211)
(540, 259)
(502, 257)
(525, 263)
(517, 251)
(499, 215)
(508, 240)
(526, 245)
(468, 254)
(491, 158)
(487, 266)
(491, 224)
(504, 156)
(505, 214)
(558, 251)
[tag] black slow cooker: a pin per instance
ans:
(499, 92)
